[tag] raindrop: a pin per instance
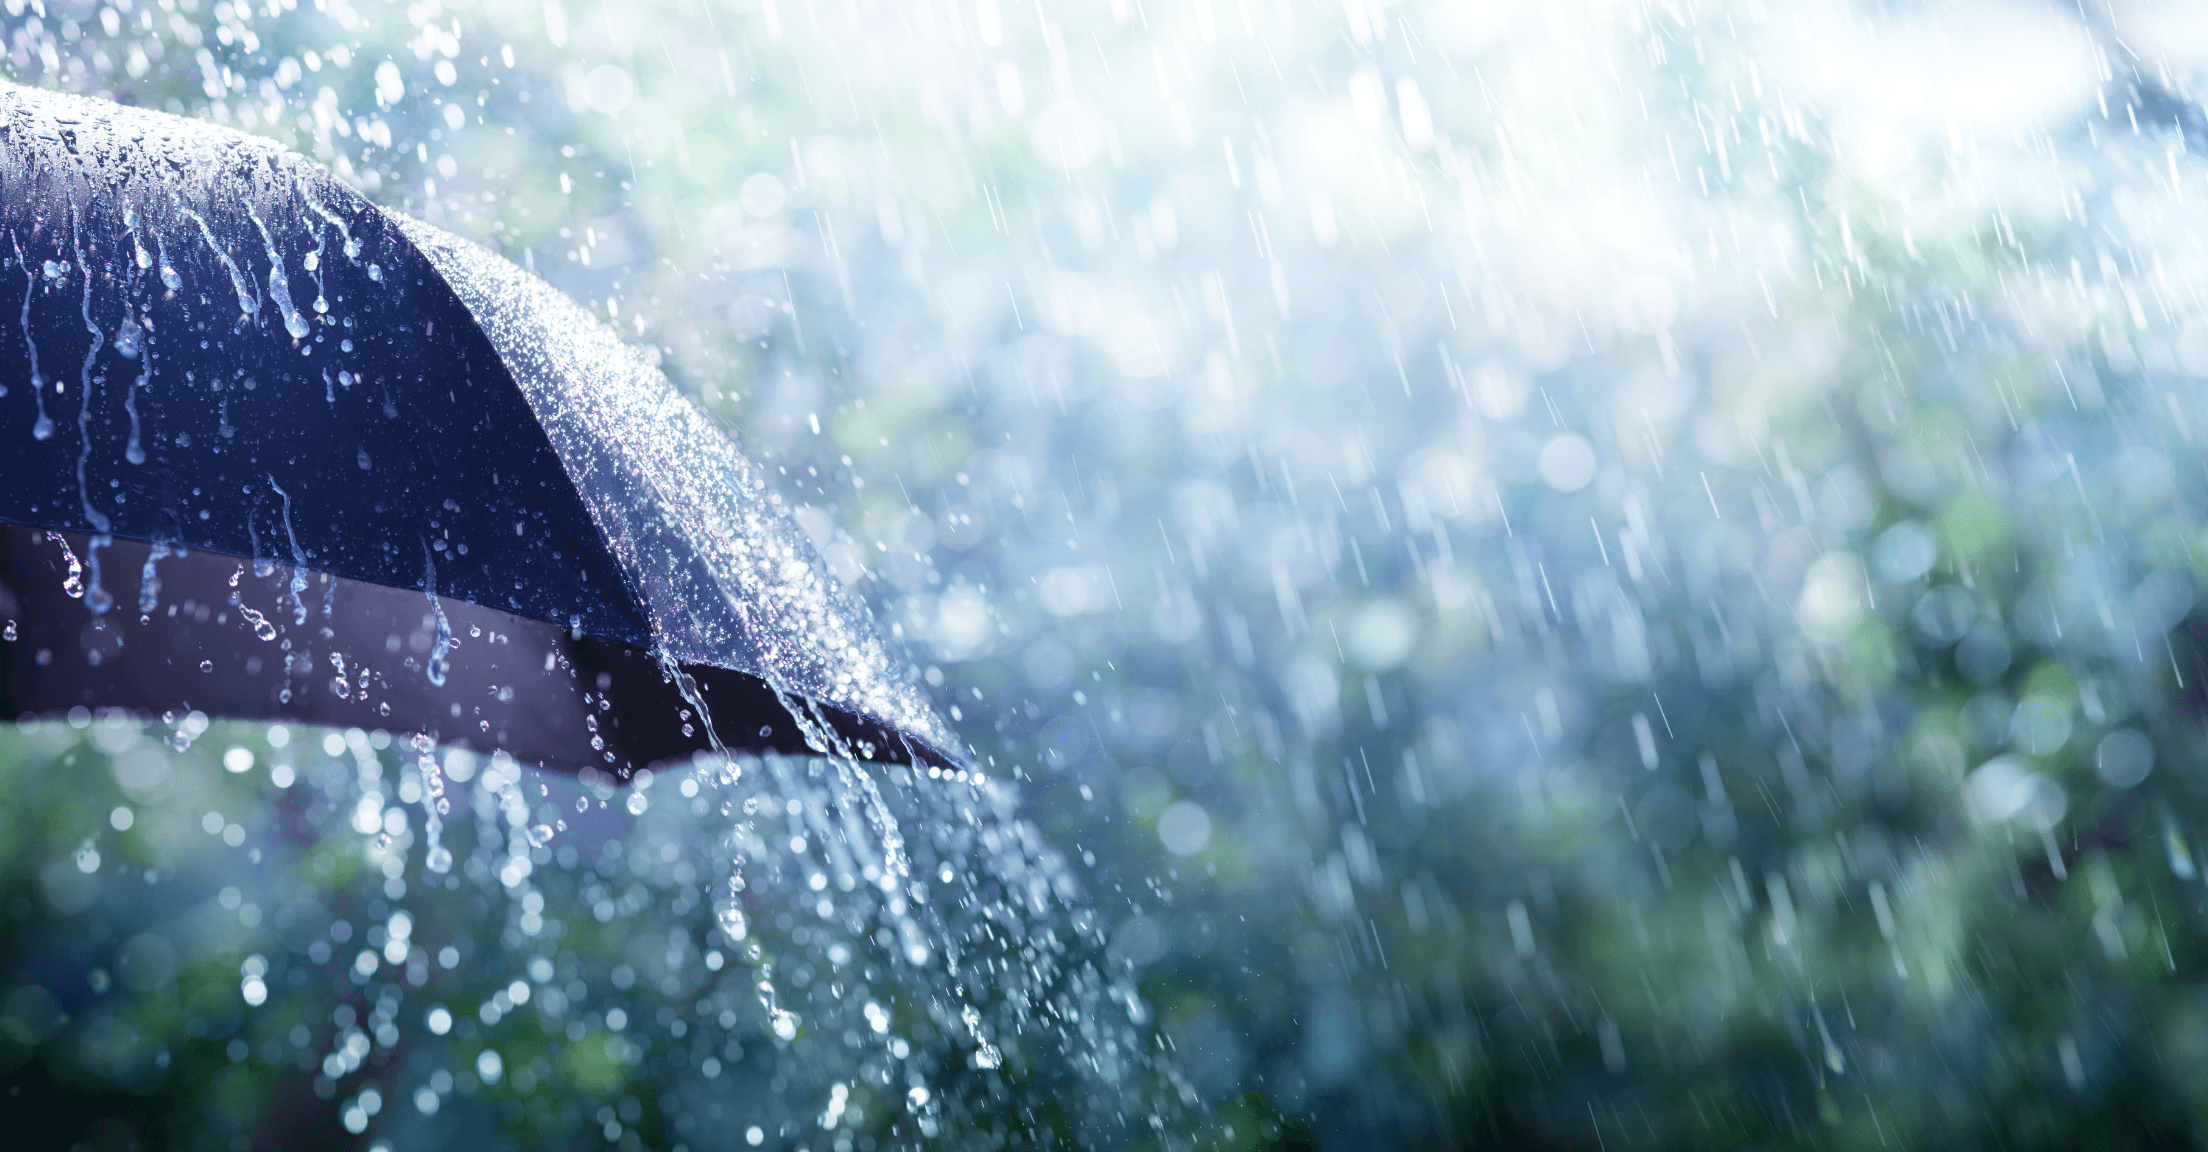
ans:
(298, 586)
(279, 281)
(42, 428)
(443, 644)
(986, 1055)
(73, 583)
(262, 627)
(249, 302)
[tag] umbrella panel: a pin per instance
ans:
(214, 633)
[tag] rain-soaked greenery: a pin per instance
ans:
(1603, 575)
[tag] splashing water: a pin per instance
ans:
(313, 264)
(249, 301)
(96, 597)
(42, 428)
(734, 924)
(435, 805)
(279, 281)
(139, 255)
(985, 1053)
(149, 579)
(73, 582)
(784, 1022)
(169, 277)
(264, 565)
(298, 559)
(130, 342)
(350, 246)
(443, 645)
(263, 627)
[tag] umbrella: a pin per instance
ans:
(268, 451)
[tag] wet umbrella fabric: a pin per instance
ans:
(272, 452)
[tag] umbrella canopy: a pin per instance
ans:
(273, 452)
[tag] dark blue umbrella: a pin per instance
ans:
(269, 451)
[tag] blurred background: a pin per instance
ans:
(1487, 543)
